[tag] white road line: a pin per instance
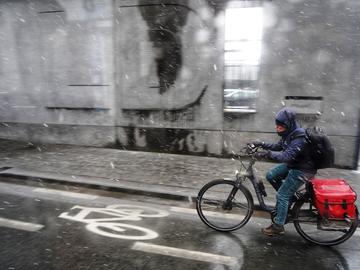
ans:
(65, 193)
(20, 225)
(207, 213)
(185, 254)
(357, 233)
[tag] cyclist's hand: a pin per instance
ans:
(262, 154)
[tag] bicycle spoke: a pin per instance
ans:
(208, 202)
(318, 230)
(241, 205)
(223, 206)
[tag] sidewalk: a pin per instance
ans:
(154, 174)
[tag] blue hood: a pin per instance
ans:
(287, 117)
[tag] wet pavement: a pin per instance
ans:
(131, 171)
(71, 237)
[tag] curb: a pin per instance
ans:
(130, 187)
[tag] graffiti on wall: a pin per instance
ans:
(169, 54)
(181, 115)
(169, 140)
(165, 74)
(184, 141)
(165, 24)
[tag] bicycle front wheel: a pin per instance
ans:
(315, 229)
(223, 206)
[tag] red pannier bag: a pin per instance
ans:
(334, 198)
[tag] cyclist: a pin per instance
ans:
(296, 167)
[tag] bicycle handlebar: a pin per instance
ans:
(247, 151)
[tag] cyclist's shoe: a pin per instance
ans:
(274, 229)
(273, 214)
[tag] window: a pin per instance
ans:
(243, 35)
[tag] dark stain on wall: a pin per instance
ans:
(165, 24)
(182, 114)
(171, 114)
(163, 140)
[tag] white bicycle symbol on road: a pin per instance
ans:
(105, 221)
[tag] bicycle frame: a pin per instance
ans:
(249, 174)
(241, 177)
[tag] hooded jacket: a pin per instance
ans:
(292, 148)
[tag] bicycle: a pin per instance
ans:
(227, 205)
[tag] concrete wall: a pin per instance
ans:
(148, 74)
(56, 71)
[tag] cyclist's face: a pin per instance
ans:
(280, 129)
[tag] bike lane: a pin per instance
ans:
(176, 238)
(97, 233)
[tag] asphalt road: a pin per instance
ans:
(48, 228)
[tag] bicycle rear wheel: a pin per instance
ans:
(223, 206)
(315, 229)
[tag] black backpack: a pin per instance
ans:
(321, 149)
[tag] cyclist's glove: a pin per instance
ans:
(262, 154)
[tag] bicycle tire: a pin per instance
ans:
(305, 209)
(219, 213)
